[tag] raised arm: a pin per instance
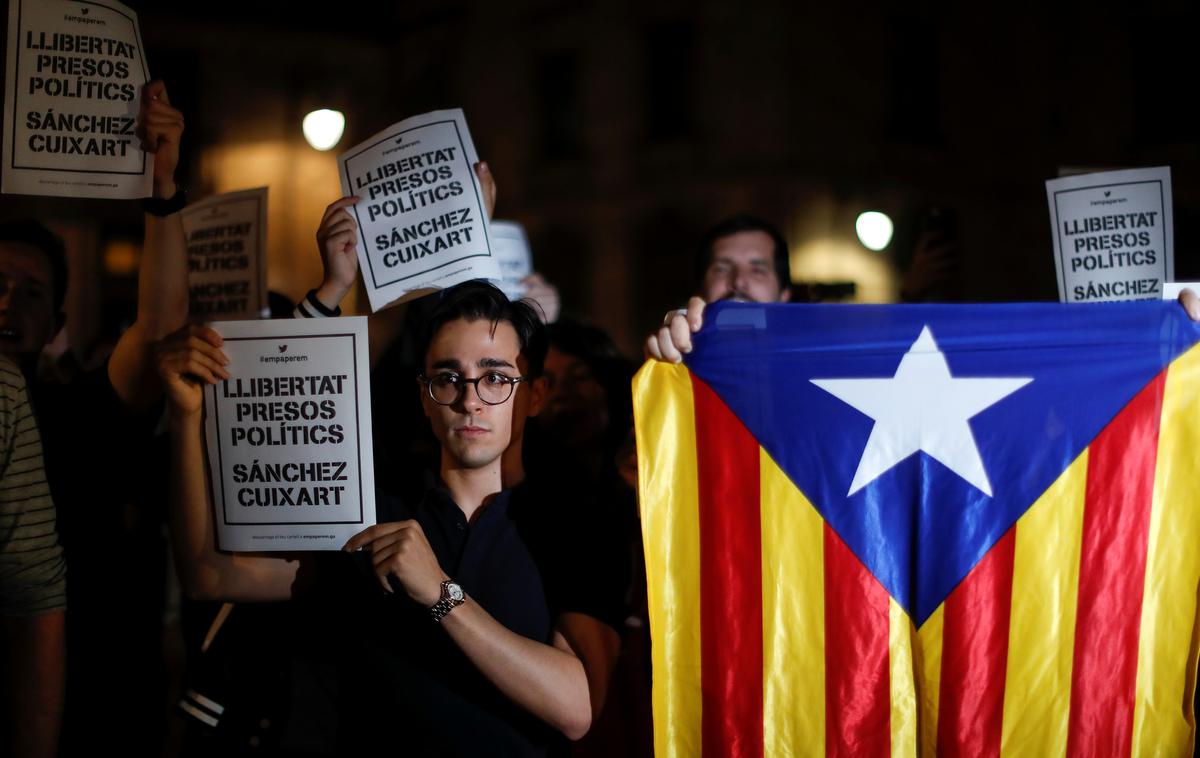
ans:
(162, 277)
(187, 361)
(337, 242)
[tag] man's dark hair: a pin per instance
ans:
(32, 233)
(477, 300)
(745, 223)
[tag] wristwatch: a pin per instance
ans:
(452, 597)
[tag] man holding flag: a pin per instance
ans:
(922, 530)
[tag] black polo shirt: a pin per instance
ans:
(531, 554)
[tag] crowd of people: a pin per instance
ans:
(496, 608)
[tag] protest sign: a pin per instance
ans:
(511, 248)
(422, 224)
(226, 244)
(289, 435)
(75, 76)
(1113, 234)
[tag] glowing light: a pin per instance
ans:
(874, 230)
(324, 128)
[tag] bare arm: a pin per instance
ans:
(35, 663)
(563, 683)
(162, 276)
(186, 362)
(337, 242)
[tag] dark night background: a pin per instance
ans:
(618, 131)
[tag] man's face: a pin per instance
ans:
(474, 434)
(742, 267)
(27, 317)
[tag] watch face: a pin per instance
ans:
(456, 593)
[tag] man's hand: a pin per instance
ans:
(160, 128)
(337, 241)
(187, 360)
(1190, 303)
(544, 294)
(675, 337)
(400, 549)
(487, 183)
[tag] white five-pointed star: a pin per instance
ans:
(921, 408)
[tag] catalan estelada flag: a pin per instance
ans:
(919, 530)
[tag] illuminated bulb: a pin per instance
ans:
(874, 230)
(323, 128)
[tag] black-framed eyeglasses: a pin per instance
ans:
(493, 387)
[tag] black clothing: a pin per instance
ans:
(531, 554)
(107, 478)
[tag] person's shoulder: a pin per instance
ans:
(11, 376)
(13, 390)
(562, 516)
(551, 474)
(14, 394)
(553, 496)
(577, 545)
(10, 372)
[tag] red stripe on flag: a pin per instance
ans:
(1112, 571)
(975, 655)
(857, 678)
(731, 649)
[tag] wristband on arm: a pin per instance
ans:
(163, 207)
(311, 307)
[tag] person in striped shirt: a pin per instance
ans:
(86, 422)
(32, 581)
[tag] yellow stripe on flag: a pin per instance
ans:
(666, 446)
(1163, 720)
(927, 660)
(1041, 642)
(793, 580)
(900, 668)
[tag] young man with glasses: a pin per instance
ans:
(481, 611)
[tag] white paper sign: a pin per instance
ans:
(1171, 290)
(289, 435)
(75, 77)
(226, 244)
(422, 224)
(511, 247)
(1113, 234)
